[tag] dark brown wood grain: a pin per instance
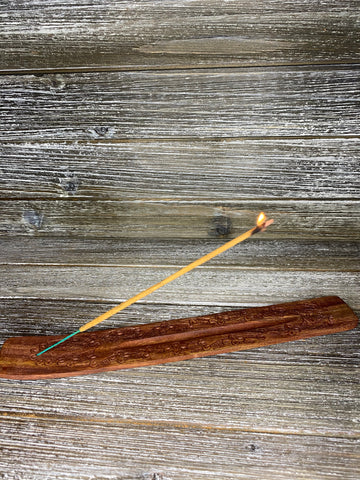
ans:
(174, 340)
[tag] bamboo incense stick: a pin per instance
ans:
(261, 224)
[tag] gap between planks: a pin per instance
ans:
(174, 266)
(175, 425)
(173, 67)
(178, 139)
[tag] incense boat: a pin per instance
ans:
(173, 340)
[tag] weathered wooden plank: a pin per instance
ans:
(295, 101)
(137, 450)
(259, 252)
(205, 285)
(299, 219)
(62, 35)
(229, 169)
(241, 391)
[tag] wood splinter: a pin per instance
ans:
(173, 340)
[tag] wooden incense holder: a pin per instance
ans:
(173, 340)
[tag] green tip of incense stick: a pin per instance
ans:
(57, 343)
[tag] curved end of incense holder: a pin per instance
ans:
(173, 340)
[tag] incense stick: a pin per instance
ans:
(261, 224)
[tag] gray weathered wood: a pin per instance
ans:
(296, 101)
(260, 252)
(67, 35)
(205, 285)
(313, 168)
(110, 181)
(139, 451)
(230, 392)
(299, 219)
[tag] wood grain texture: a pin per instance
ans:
(140, 452)
(93, 161)
(205, 285)
(220, 103)
(238, 394)
(260, 252)
(302, 168)
(233, 390)
(314, 220)
(66, 35)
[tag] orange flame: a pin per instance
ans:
(260, 219)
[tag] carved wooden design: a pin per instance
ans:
(174, 340)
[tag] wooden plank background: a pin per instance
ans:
(87, 34)
(135, 137)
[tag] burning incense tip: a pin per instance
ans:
(262, 222)
(260, 219)
(261, 225)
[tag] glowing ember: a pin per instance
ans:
(261, 219)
